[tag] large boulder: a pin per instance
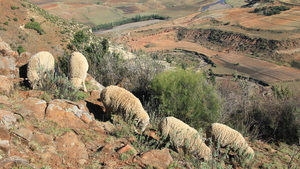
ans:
(33, 107)
(159, 159)
(72, 148)
(7, 84)
(8, 118)
(66, 114)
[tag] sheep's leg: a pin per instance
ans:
(84, 88)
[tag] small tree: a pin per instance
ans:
(187, 95)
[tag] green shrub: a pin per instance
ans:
(273, 117)
(5, 23)
(1, 28)
(187, 95)
(21, 49)
(15, 19)
(14, 7)
(36, 26)
(61, 88)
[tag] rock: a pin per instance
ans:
(24, 133)
(42, 138)
(94, 83)
(95, 94)
(65, 114)
(94, 125)
(4, 148)
(8, 66)
(7, 118)
(5, 50)
(108, 148)
(6, 84)
(110, 163)
(107, 126)
(4, 133)
(4, 100)
(157, 158)
(70, 145)
(127, 148)
(51, 156)
(23, 59)
(34, 107)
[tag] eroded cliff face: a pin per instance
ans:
(226, 41)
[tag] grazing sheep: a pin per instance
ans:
(119, 100)
(78, 67)
(185, 137)
(38, 65)
(226, 136)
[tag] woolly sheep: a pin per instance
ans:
(38, 64)
(226, 136)
(78, 67)
(185, 137)
(118, 99)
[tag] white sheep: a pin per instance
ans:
(185, 137)
(38, 65)
(119, 100)
(78, 67)
(226, 136)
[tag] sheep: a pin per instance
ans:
(226, 136)
(78, 67)
(119, 100)
(38, 65)
(185, 137)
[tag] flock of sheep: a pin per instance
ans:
(43, 62)
(118, 99)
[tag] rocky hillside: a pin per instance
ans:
(40, 132)
(53, 33)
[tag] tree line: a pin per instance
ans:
(137, 18)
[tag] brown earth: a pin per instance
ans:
(16, 35)
(163, 37)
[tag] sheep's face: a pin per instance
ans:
(142, 124)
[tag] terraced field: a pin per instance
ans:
(95, 12)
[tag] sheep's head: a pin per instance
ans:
(142, 123)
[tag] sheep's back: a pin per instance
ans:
(40, 62)
(119, 99)
(78, 65)
(227, 136)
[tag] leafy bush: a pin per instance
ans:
(1, 28)
(187, 95)
(61, 88)
(21, 49)
(271, 10)
(14, 7)
(36, 26)
(274, 117)
(109, 68)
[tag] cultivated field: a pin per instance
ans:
(95, 12)
(163, 37)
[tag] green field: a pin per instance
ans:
(95, 12)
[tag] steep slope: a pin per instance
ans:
(56, 32)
